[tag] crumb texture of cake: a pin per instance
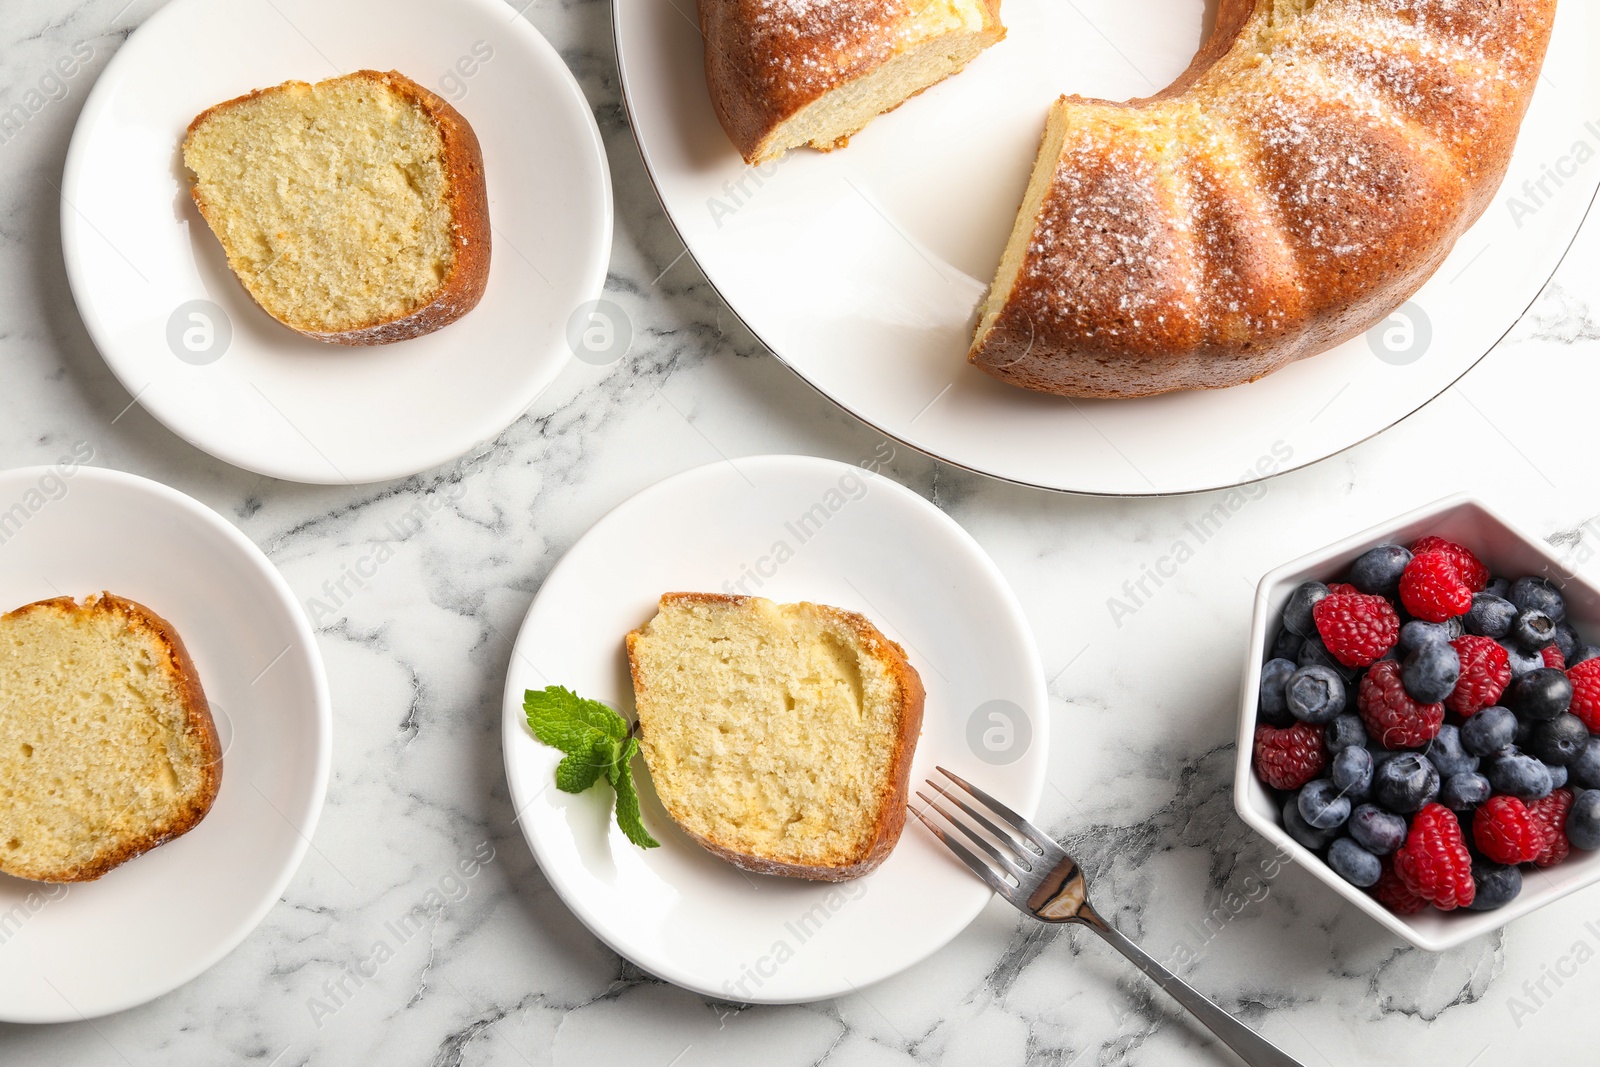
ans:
(778, 736)
(786, 73)
(353, 210)
(1307, 175)
(107, 745)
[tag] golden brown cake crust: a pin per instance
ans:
(892, 799)
(1316, 190)
(468, 197)
(765, 60)
(200, 728)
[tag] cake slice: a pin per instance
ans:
(778, 736)
(353, 210)
(107, 748)
(785, 73)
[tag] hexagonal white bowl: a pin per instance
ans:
(1508, 552)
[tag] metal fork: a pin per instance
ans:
(1038, 877)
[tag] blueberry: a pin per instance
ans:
(1497, 885)
(1345, 732)
(1540, 694)
(1287, 645)
(1379, 570)
(1558, 775)
(1583, 821)
(1584, 770)
(1303, 832)
(1463, 792)
(1520, 776)
(1416, 633)
(1315, 695)
(1323, 806)
(1567, 641)
(1559, 740)
(1532, 630)
(1406, 783)
(1313, 653)
(1381, 755)
(1538, 594)
(1521, 662)
(1352, 772)
(1274, 702)
(1353, 863)
(1297, 612)
(1431, 672)
(1488, 731)
(1524, 732)
(1446, 753)
(1379, 832)
(1582, 653)
(1491, 616)
(1500, 587)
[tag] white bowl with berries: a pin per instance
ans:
(1421, 722)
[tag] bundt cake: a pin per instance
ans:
(1305, 176)
(785, 73)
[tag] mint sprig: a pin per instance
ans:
(597, 741)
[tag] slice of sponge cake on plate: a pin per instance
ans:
(778, 736)
(353, 210)
(107, 745)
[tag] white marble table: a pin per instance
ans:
(1143, 711)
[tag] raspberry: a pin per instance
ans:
(1472, 572)
(1551, 814)
(1431, 588)
(1390, 714)
(1357, 628)
(1342, 588)
(1585, 678)
(1434, 862)
(1551, 654)
(1288, 759)
(1485, 673)
(1392, 893)
(1507, 832)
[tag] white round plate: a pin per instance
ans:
(138, 253)
(848, 538)
(71, 952)
(862, 269)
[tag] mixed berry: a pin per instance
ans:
(1433, 730)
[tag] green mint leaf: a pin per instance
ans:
(628, 820)
(602, 718)
(561, 719)
(597, 742)
(578, 771)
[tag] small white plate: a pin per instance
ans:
(845, 537)
(78, 951)
(862, 269)
(225, 376)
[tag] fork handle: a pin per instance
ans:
(1254, 1049)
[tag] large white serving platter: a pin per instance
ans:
(862, 269)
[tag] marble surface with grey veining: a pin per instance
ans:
(1143, 712)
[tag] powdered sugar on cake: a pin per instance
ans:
(1330, 147)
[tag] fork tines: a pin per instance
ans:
(1016, 848)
